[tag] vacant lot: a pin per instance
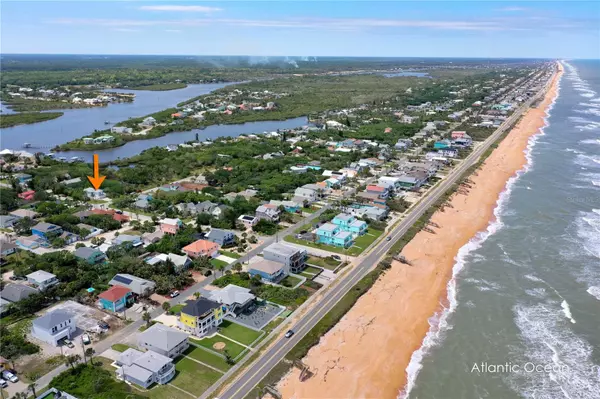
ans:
(238, 333)
(194, 377)
(216, 344)
(208, 358)
(326, 263)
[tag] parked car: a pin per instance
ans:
(3, 383)
(336, 257)
(289, 333)
(174, 294)
(9, 376)
(103, 324)
(86, 339)
(68, 343)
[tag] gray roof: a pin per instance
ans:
(282, 248)
(343, 234)
(231, 294)
(7, 245)
(266, 266)
(8, 220)
(45, 227)
(217, 234)
(85, 252)
(329, 227)
(40, 275)
(152, 361)
(345, 217)
(137, 372)
(137, 284)
(122, 238)
(163, 337)
(52, 319)
(16, 292)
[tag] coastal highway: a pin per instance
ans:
(248, 379)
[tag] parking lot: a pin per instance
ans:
(259, 316)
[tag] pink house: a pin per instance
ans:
(458, 134)
(202, 248)
(170, 226)
(27, 195)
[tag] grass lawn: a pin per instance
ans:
(218, 262)
(120, 347)
(38, 368)
(231, 255)
(177, 308)
(326, 263)
(205, 357)
(311, 270)
(146, 326)
(290, 281)
(193, 377)
(231, 347)
(238, 332)
(309, 210)
(132, 232)
(360, 244)
(165, 392)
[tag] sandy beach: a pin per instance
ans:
(367, 353)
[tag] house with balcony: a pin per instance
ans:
(145, 368)
(382, 191)
(202, 248)
(92, 256)
(46, 231)
(289, 206)
(42, 279)
(268, 212)
(268, 270)
(116, 298)
(164, 340)
(201, 316)
(442, 144)
(292, 257)
(236, 299)
(224, 238)
(248, 221)
(170, 226)
(53, 327)
(350, 224)
(331, 234)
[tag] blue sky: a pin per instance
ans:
(548, 29)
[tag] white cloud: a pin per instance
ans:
(202, 9)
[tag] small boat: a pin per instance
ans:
(107, 122)
(26, 145)
(62, 158)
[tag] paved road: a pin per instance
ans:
(270, 358)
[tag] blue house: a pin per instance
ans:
(46, 230)
(268, 270)
(116, 298)
(442, 144)
(22, 177)
(349, 223)
(331, 234)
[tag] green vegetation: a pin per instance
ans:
(160, 87)
(217, 263)
(290, 281)
(231, 347)
(230, 254)
(92, 382)
(120, 347)
(13, 342)
(206, 357)
(25, 105)
(361, 243)
(291, 298)
(26, 118)
(238, 332)
(194, 377)
(311, 270)
(36, 369)
(177, 308)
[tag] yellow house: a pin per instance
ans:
(201, 316)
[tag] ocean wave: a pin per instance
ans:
(547, 337)
(587, 160)
(588, 231)
(590, 141)
(537, 292)
(594, 291)
(439, 323)
(588, 111)
(567, 311)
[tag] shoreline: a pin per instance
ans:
(406, 310)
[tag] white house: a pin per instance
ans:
(165, 340)
(248, 221)
(42, 279)
(94, 194)
(53, 326)
(145, 368)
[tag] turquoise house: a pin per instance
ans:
(331, 234)
(349, 223)
(116, 298)
(442, 144)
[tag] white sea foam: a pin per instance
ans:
(439, 323)
(587, 160)
(588, 231)
(567, 311)
(590, 141)
(547, 337)
(594, 291)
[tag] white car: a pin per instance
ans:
(3, 383)
(10, 376)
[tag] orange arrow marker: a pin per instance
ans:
(97, 179)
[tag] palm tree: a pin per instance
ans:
(31, 387)
(228, 358)
(147, 318)
(166, 306)
(89, 352)
(196, 295)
